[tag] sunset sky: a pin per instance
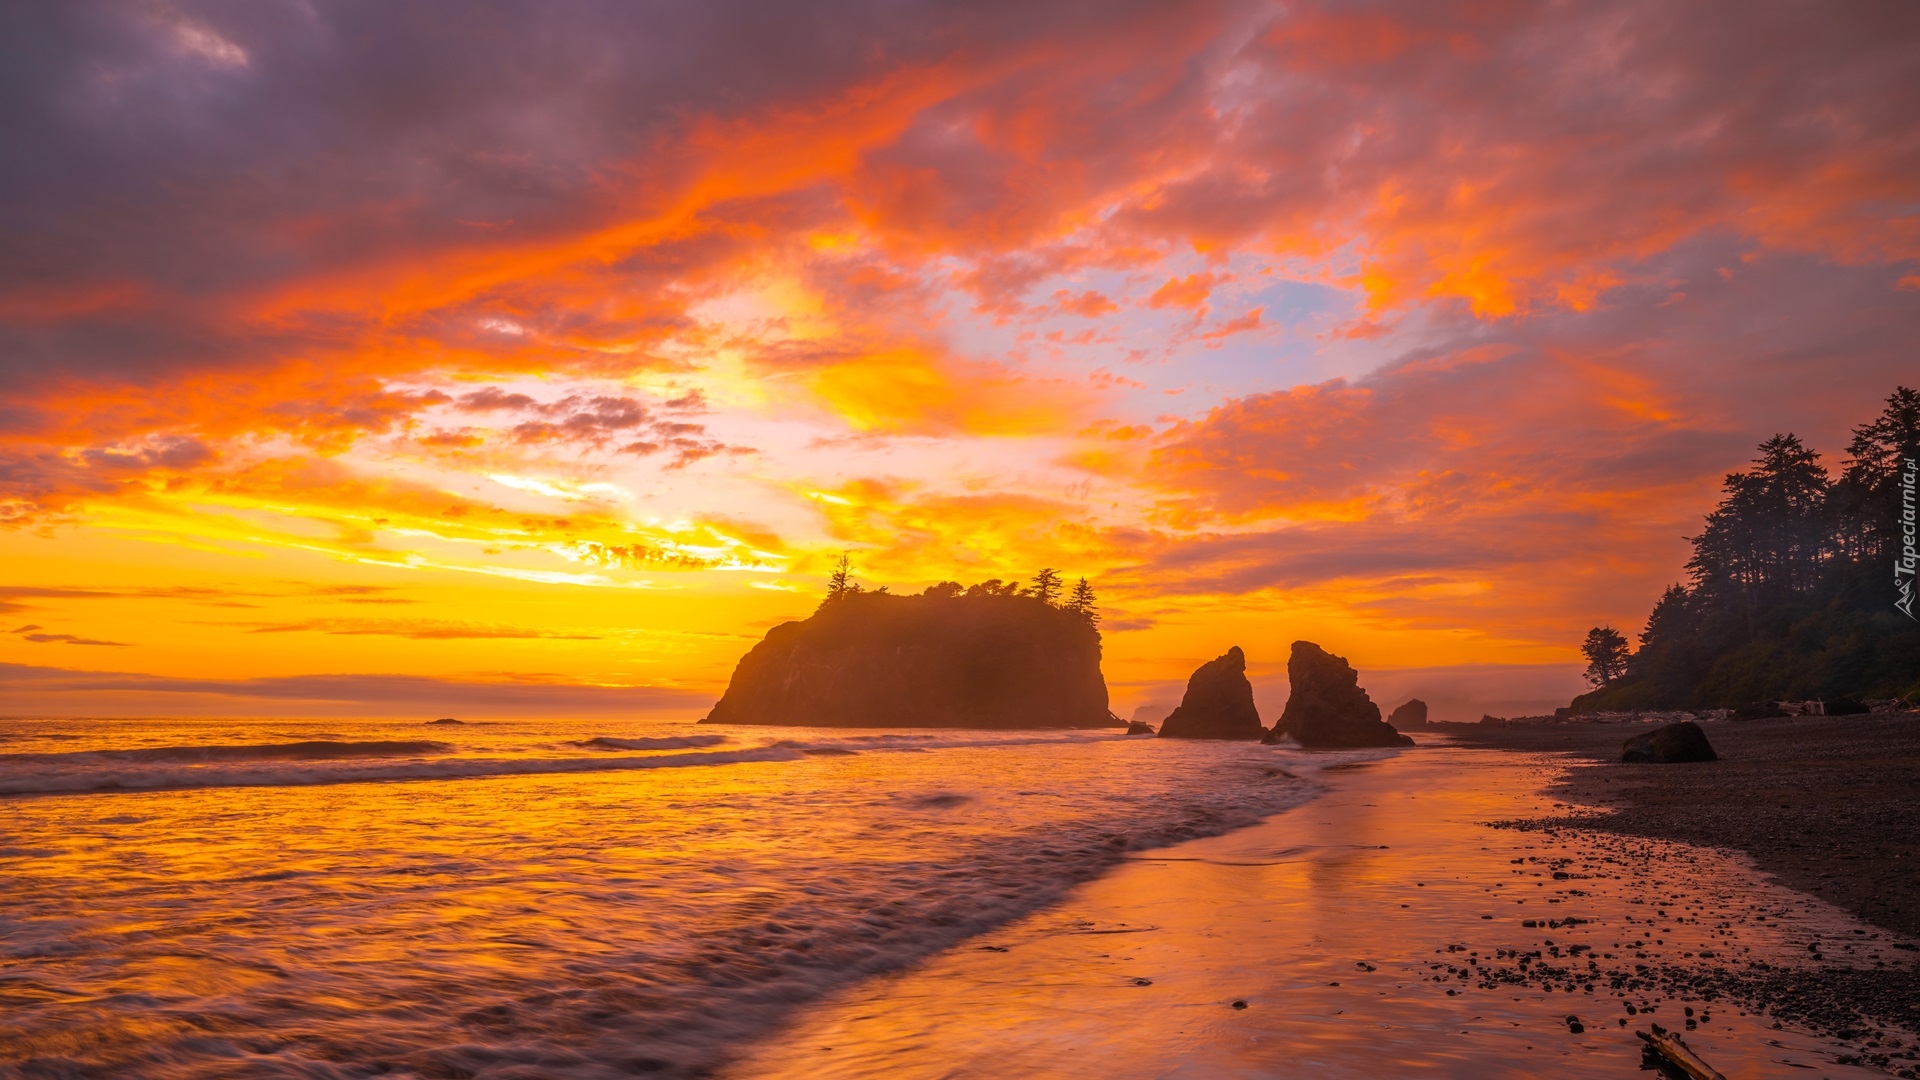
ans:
(456, 359)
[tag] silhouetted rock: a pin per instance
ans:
(1327, 709)
(879, 660)
(1845, 706)
(1137, 728)
(1218, 703)
(1675, 742)
(1412, 714)
(445, 720)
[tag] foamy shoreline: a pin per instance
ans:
(1376, 930)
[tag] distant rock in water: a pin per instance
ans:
(1152, 712)
(1674, 743)
(879, 660)
(1327, 709)
(1218, 703)
(445, 720)
(1135, 727)
(1412, 714)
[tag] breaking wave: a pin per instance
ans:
(673, 742)
(312, 771)
(313, 750)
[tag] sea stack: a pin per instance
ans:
(1327, 709)
(1218, 703)
(879, 660)
(1412, 714)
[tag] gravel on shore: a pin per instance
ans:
(1829, 806)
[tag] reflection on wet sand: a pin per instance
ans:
(1380, 930)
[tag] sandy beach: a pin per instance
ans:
(1386, 929)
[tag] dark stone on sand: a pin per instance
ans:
(445, 720)
(1758, 710)
(1138, 728)
(1327, 708)
(1412, 714)
(1845, 706)
(1218, 703)
(1674, 743)
(879, 660)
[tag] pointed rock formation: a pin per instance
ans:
(1218, 704)
(1327, 709)
(1412, 714)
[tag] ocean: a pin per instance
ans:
(551, 898)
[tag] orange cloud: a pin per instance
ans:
(1187, 292)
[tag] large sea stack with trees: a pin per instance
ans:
(994, 655)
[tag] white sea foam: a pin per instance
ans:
(650, 912)
(111, 778)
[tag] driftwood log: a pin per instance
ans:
(1669, 1049)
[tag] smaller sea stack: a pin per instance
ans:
(1412, 714)
(1218, 703)
(1327, 709)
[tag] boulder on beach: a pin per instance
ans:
(1327, 708)
(1412, 714)
(880, 660)
(1845, 706)
(1218, 703)
(1675, 742)
(1135, 727)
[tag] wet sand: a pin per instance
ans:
(1827, 805)
(1382, 929)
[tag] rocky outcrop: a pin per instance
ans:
(1327, 709)
(1675, 742)
(1412, 714)
(1218, 703)
(879, 660)
(1136, 727)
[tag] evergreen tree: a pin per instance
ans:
(1867, 496)
(1046, 586)
(1606, 653)
(1790, 592)
(1081, 602)
(841, 584)
(1772, 532)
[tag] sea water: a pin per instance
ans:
(558, 898)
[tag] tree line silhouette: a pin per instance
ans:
(1790, 589)
(1047, 586)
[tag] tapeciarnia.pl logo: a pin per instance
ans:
(1904, 563)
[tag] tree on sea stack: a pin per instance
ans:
(1080, 602)
(841, 583)
(1606, 653)
(1046, 586)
